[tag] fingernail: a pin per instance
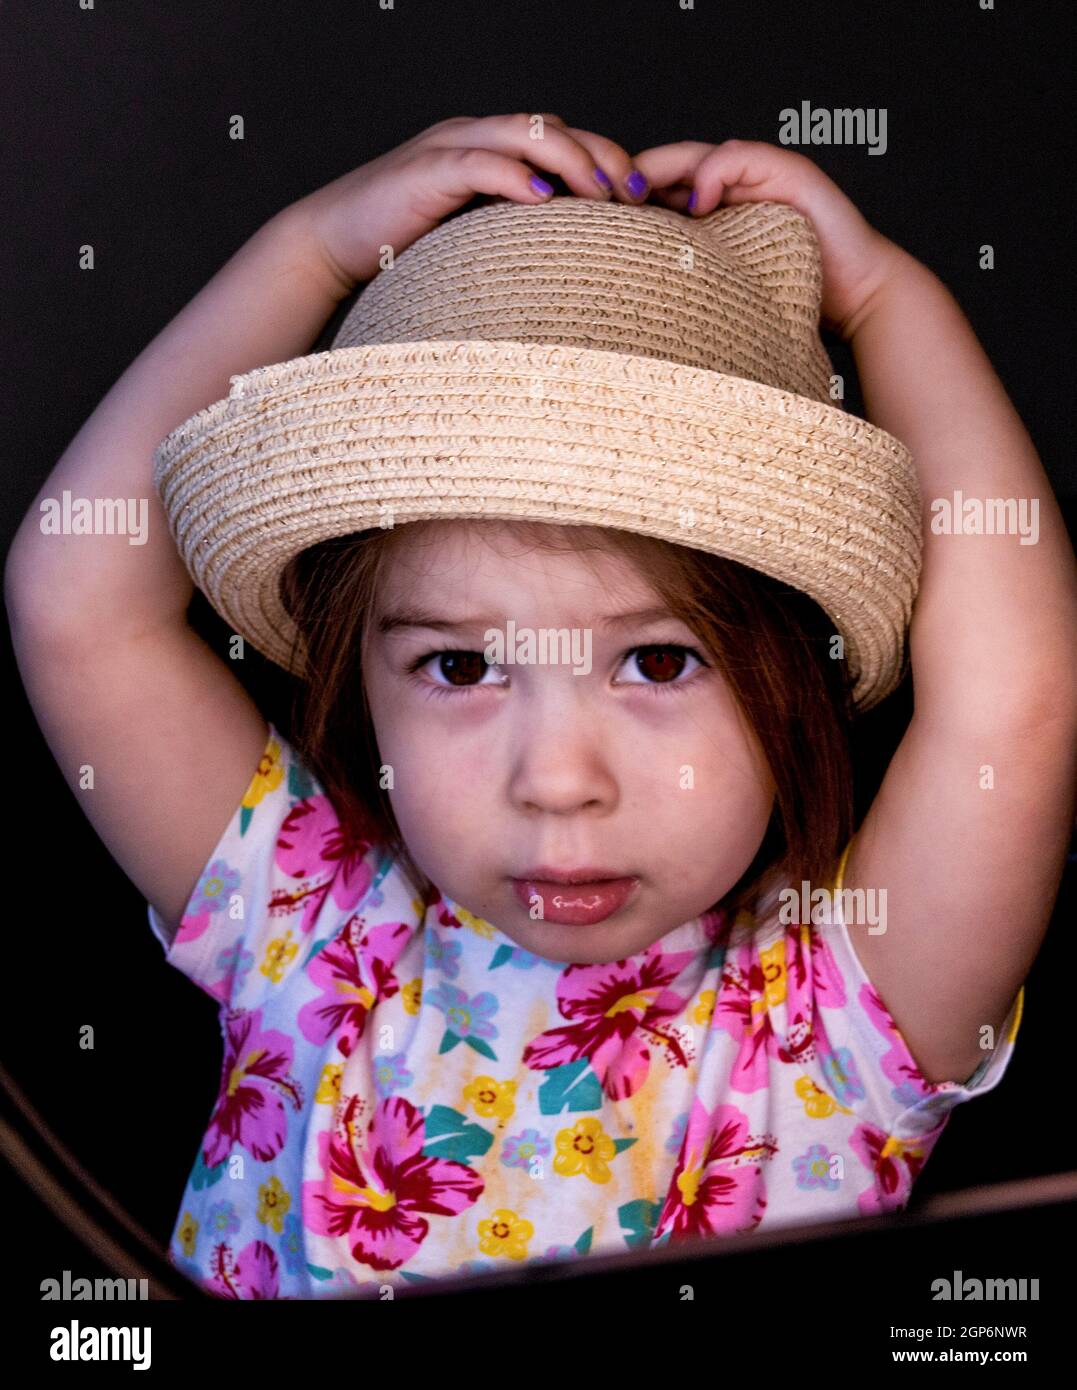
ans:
(541, 186)
(601, 177)
(692, 201)
(636, 184)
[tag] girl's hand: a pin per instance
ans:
(398, 197)
(857, 259)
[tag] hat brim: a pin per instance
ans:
(385, 434)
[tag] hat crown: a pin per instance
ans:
(737, 291)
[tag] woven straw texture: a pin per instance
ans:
(574, 362)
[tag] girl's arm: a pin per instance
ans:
(967, 834)
(117, 679)
(969, 830)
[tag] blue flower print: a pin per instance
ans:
(519, 1150)
(390, 1074)
(442, 955)
(839, 1068)
(213, 889)
(235, 961)
(676, 1138)
(465, 1017)
(813, 1169)
(291, 1245)
(222, 1219)
(560, 1252)
(517, 957)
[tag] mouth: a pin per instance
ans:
(575, 897)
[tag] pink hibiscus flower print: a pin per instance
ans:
(717, 1186)
(253, 1273)
(898, 1064)
(618, 1007)
(324, 856)
(797, 972)
(374, 1193)
(255, 1083)
(353, 971)
(894, 1164)
(211, 894)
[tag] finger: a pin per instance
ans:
(540, 138)
(616, 163)
(666, 166)
(746, 171)
(675, 198)
(449, 177)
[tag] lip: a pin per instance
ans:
(587, 874)
(574, 900)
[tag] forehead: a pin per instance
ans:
(453, 561)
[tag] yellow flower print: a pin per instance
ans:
(506, 1234)
(491, 1098)
(641, 999)
(278, 953)
(273, 1204)
(772, 961)
(817, 1104)
(187, 1233)
(690, 1177)
(585, 1148)
(269, 776)
(328, 1092)
(704, 1010)
(411, 995)
(476, 924)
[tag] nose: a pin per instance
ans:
(560, 761)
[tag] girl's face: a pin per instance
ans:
(642, 765)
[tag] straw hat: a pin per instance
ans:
(577, 362)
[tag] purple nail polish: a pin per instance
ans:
(692, 201)
(636, 184)
(601, 177)
(540, 185)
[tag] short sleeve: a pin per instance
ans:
(282, 860)
(903, 1102)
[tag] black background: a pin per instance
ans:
(115, 124)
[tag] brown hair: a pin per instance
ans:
(771, 642)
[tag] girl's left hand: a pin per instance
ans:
(857, 259)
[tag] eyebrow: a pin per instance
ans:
(412, 618)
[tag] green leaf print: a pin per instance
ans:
(621, 1144)
(449, 1041)
(245, 818)
(481, 1046)
(501, 955)
(300, 782)
(318, 945)
(716, 959)
(638, 1220)
(449, 1134)
(571, 1087)
(319, 1273)
(583, 1244)
(206, 1177)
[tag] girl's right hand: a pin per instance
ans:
(404, 193)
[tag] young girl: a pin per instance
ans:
(523, 956)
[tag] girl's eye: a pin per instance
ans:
(462, 670)
(659, 665)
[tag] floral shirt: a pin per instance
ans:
(406, 1094)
